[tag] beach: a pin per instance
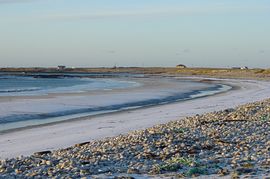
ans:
(82, 130)
(134, 89)
(61, 135)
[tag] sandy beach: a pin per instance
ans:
(65, 134)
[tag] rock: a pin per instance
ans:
(123, 177)
(81, 144)
(133, 171)
(223, 172)
(244, 170)
(224, 140)
(43, 152)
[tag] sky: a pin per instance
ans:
(105, 33)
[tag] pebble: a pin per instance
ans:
(230, 142)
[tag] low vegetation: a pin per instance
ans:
(215, 72)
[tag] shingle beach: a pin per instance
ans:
(231, 142)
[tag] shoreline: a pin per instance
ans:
(64, 135)
(158, 97)
(230, 143)
(87, 117)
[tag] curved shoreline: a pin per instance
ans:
(66, 134)
(126, 108)
(23, 121)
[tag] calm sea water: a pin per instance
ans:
(24, 101)
(11, 85)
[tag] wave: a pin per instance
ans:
(19, 90)
(29, 86)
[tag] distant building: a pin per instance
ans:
(244, 68)
(181, 66)
(61, 67)
(240, 68)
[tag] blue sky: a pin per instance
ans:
(92, 33)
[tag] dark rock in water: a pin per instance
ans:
(43, 152)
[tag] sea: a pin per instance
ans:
(30, 99)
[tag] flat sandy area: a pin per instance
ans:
(65, 134)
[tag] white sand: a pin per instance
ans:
(61, 135)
